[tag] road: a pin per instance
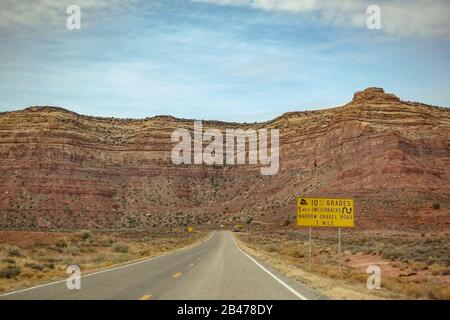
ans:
(214, 269)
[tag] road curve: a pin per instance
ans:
(214, 269)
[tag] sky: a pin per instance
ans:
(231, 60)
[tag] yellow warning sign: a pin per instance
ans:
(320, 212)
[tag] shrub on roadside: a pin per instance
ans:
(145, 252)
(72, 250)
(296, 253)
(87, 250)
(391, 254)
(35, 266)
(106, 242)
(415, 290)
(271, 247)
(419, 266)
(50, 266)
(120, 247)
(10, 272)
(14, 252)
(84, 235)
(101, 257)
(9, 261)
(436, 205)
(61, 243)
(292, 250)
(437, 270)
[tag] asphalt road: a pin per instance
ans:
(214, 269)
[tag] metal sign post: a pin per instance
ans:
(310, 249)
(325, 212)
(339, 251)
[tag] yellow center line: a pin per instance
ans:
(146, 297)
(176, 275)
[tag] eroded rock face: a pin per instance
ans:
(374, 95)
(59, 169)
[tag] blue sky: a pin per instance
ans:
(233, 60)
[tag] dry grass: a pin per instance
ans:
(332, 288)
(412, 267)
(28, 264)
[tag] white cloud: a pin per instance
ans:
(421, 18)
(48, 13)
(418, 18)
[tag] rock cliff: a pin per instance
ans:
(59, 169)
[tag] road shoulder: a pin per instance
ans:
(306, 292)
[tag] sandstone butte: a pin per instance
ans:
(59, 169)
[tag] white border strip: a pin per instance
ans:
(110, 269)
(295, 292)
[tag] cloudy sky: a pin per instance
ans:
(236, 60)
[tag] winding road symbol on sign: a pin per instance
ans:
(347, 210)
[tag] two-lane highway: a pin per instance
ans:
(214, 269)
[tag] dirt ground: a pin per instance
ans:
(413, 266)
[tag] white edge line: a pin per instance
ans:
(110, 269)
(284, 284)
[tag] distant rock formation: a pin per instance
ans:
(374, 95)
(59, 169)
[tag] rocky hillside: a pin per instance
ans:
(59, 169)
